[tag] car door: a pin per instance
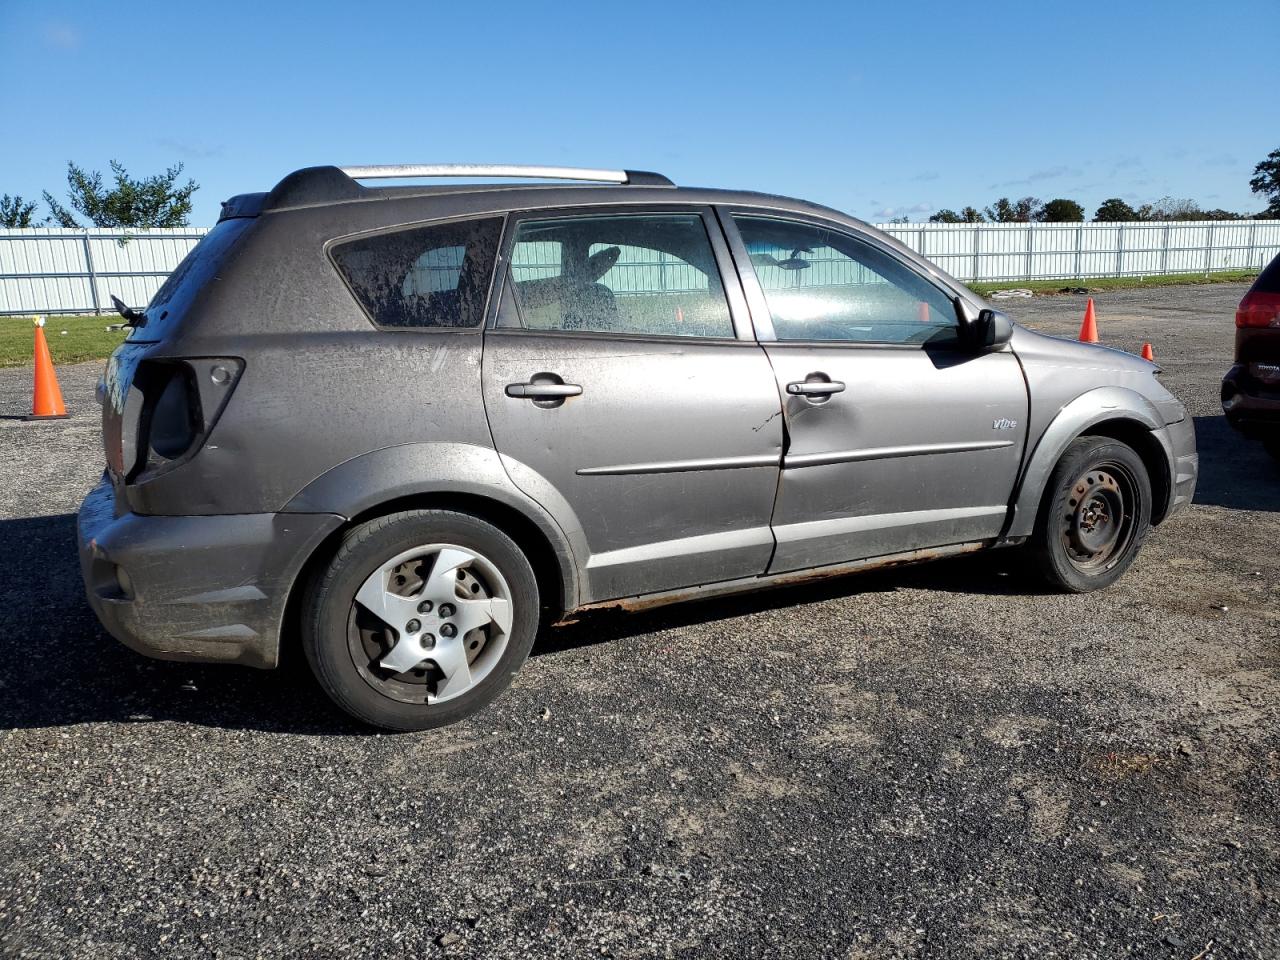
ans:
(627, 395)
(899, 438)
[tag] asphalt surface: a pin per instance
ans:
(942, 761)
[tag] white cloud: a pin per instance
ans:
(62, 36)
(190, 149)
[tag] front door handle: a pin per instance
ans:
(543, 391)
(814, 388)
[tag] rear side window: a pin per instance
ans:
(646, 274)
(426, 277)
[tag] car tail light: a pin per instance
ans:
(1259, 309)
(173, 419)
(171, 408)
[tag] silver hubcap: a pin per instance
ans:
(430, 623)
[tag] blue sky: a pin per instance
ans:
(879, 109)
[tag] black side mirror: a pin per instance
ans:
(991, 330)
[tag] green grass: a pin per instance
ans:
(1100, 284)
(87, 338)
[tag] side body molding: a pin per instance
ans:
(1085, 411)
(411, 469)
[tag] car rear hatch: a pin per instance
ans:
(147, 396)
(1258, 329)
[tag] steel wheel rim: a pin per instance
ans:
(1097, 522)
(430, 623)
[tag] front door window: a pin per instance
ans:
(823, 285)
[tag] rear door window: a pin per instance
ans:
(645, 274)
(433, 277)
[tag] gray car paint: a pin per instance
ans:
(333, 419)
(643, 458)
(907, 456)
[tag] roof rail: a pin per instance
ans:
(515, 171)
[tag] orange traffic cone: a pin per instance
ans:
(47, 402)
(1089, 329)
(1148, 353)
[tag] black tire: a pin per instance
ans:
(329, 614)
(1094, 517)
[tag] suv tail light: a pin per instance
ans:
(171, 416)
(1259, 309)
(171, 407)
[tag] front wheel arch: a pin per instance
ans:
(1143, 442)
(1110, 411)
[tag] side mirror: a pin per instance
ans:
(990, 330)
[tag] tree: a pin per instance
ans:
(899, 219)
(155, 201)
(1167, 208)
(946, 216)
(1266, 183)
(1115, 209)
(16, 212)
(1220, 214)
(1021, 211)
(1060, 211)
(971, 215)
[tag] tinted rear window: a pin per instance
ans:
(425, 277)
(1269, 280)
(197, 268)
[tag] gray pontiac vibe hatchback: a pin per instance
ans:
(402, 427)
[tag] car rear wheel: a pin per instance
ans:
(420, 619)
(1095, 515)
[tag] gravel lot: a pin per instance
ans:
(933, 762)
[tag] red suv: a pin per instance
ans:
(1251, 388)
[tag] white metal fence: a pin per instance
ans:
(55, 270)
(1052, 251)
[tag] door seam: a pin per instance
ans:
(782, 403)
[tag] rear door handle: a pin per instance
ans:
(814, 388)
(543, 391)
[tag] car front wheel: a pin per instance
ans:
(1094, 516)
(420, 619)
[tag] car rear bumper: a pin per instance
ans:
(1251, 398)
(199, 588)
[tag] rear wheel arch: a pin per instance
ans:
(554, 572)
